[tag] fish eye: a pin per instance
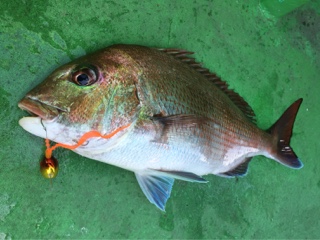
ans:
(84, 75)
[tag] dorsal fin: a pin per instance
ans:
(182, 55)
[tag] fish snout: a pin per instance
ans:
(39, 109)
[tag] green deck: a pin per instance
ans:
(270, 60)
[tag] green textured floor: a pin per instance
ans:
(270, 61)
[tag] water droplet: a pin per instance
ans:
(4, 236)
(84, 230)
(5, 206)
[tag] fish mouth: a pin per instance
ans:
(39, 109)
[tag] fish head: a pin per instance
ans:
(96, 92)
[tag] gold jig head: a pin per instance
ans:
(49, 167)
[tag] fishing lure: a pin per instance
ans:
(49, 165)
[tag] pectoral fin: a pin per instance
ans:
(184, 121)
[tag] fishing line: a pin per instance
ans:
(49, 165)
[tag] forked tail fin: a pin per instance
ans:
(282, 131)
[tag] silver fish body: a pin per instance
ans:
(183, 121)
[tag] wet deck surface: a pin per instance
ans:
(269, 61)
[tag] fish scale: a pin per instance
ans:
(171, 118)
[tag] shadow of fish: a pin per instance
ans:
(183, 121)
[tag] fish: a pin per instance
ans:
(170, 118)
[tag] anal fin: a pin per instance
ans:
(185, 176)
(239, 171)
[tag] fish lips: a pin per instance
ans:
(39, 109)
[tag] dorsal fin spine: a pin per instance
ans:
(182, 55)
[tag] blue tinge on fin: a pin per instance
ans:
(157, 184)
(156, 188)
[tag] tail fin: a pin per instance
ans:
(282, 131)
